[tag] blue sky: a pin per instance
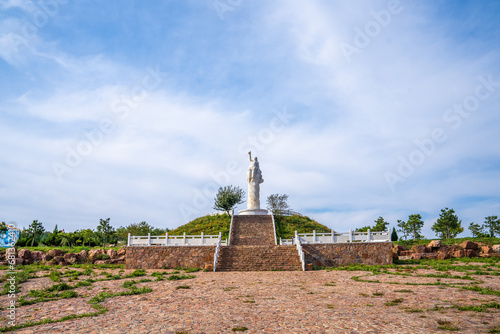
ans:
(140, 110)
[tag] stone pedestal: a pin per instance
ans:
(253, 212)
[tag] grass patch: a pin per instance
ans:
(182, 287)
(404, 291)
(179, 277)
(394, 302)
(239, 329)
(447, 325)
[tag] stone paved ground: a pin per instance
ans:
(269, 302)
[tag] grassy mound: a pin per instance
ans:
(207, 225)
(285, 226)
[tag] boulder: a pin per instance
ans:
(60, 260)
(121, 252)
(70, 258)
(434, 244)
(82, 256)
(55, 252)
(46, 257)
(487, 250)
(208, 267)
(24, 254)
(443, 255)
(420, 249)
(111, 253)
(399, 248)
(118, 260)
(102, 261)
(469, 245)
(37, 256)
(93, 253)
(418, 256)
(471, 252)
(496, 248)
(459, 253)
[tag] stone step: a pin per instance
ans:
(258, 258)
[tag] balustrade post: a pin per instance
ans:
(296, 238)
(369, 236)
(202, 238)
(314, 236)
(350, 235)
(128, 240)
(149, 239)
(184, 238)
(166, 239)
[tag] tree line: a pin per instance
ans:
(37, 235)
(447, 226)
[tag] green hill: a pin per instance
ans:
(285, 226)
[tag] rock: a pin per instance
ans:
(469, 245)
(24, 254)
(420, 249)
(46, 257)
(117, 261)
(55, 252)
(434, 244)
(399, 248)
(487, 250)
(496, 248)
(102, 261)
(121, 251)
(459, 253)
(111, 253)
(209, 266)
(70, 258)
(418, 256)
(4, 263)
(471, 252)
(93, 253)
(405, 258)
(82, 256)
(443, 255)
(59, 260)
(37, 256)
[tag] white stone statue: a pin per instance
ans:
(254, 179)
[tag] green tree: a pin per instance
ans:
(415, 224)
(380, 225)
(105, 230)
(477, 230)
(228, 197)
(394, 235)
(492, 225)
(448, 225)
(35, 230)
(3, 227)
(403, 228)
(277, 204)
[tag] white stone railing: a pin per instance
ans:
(230, 228)
(339, 237)
(175, 240)
(217, 251)
(301, 251)
(274, 229)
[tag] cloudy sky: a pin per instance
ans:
(140, 110)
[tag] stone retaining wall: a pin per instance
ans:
(330, 255)
(157, 257)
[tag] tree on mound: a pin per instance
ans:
(448, 225)
(228, 197)
(277, 204)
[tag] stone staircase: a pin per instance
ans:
(252, 230)
(252, 247)
(258, 258)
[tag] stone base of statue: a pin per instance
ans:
(253, 212)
